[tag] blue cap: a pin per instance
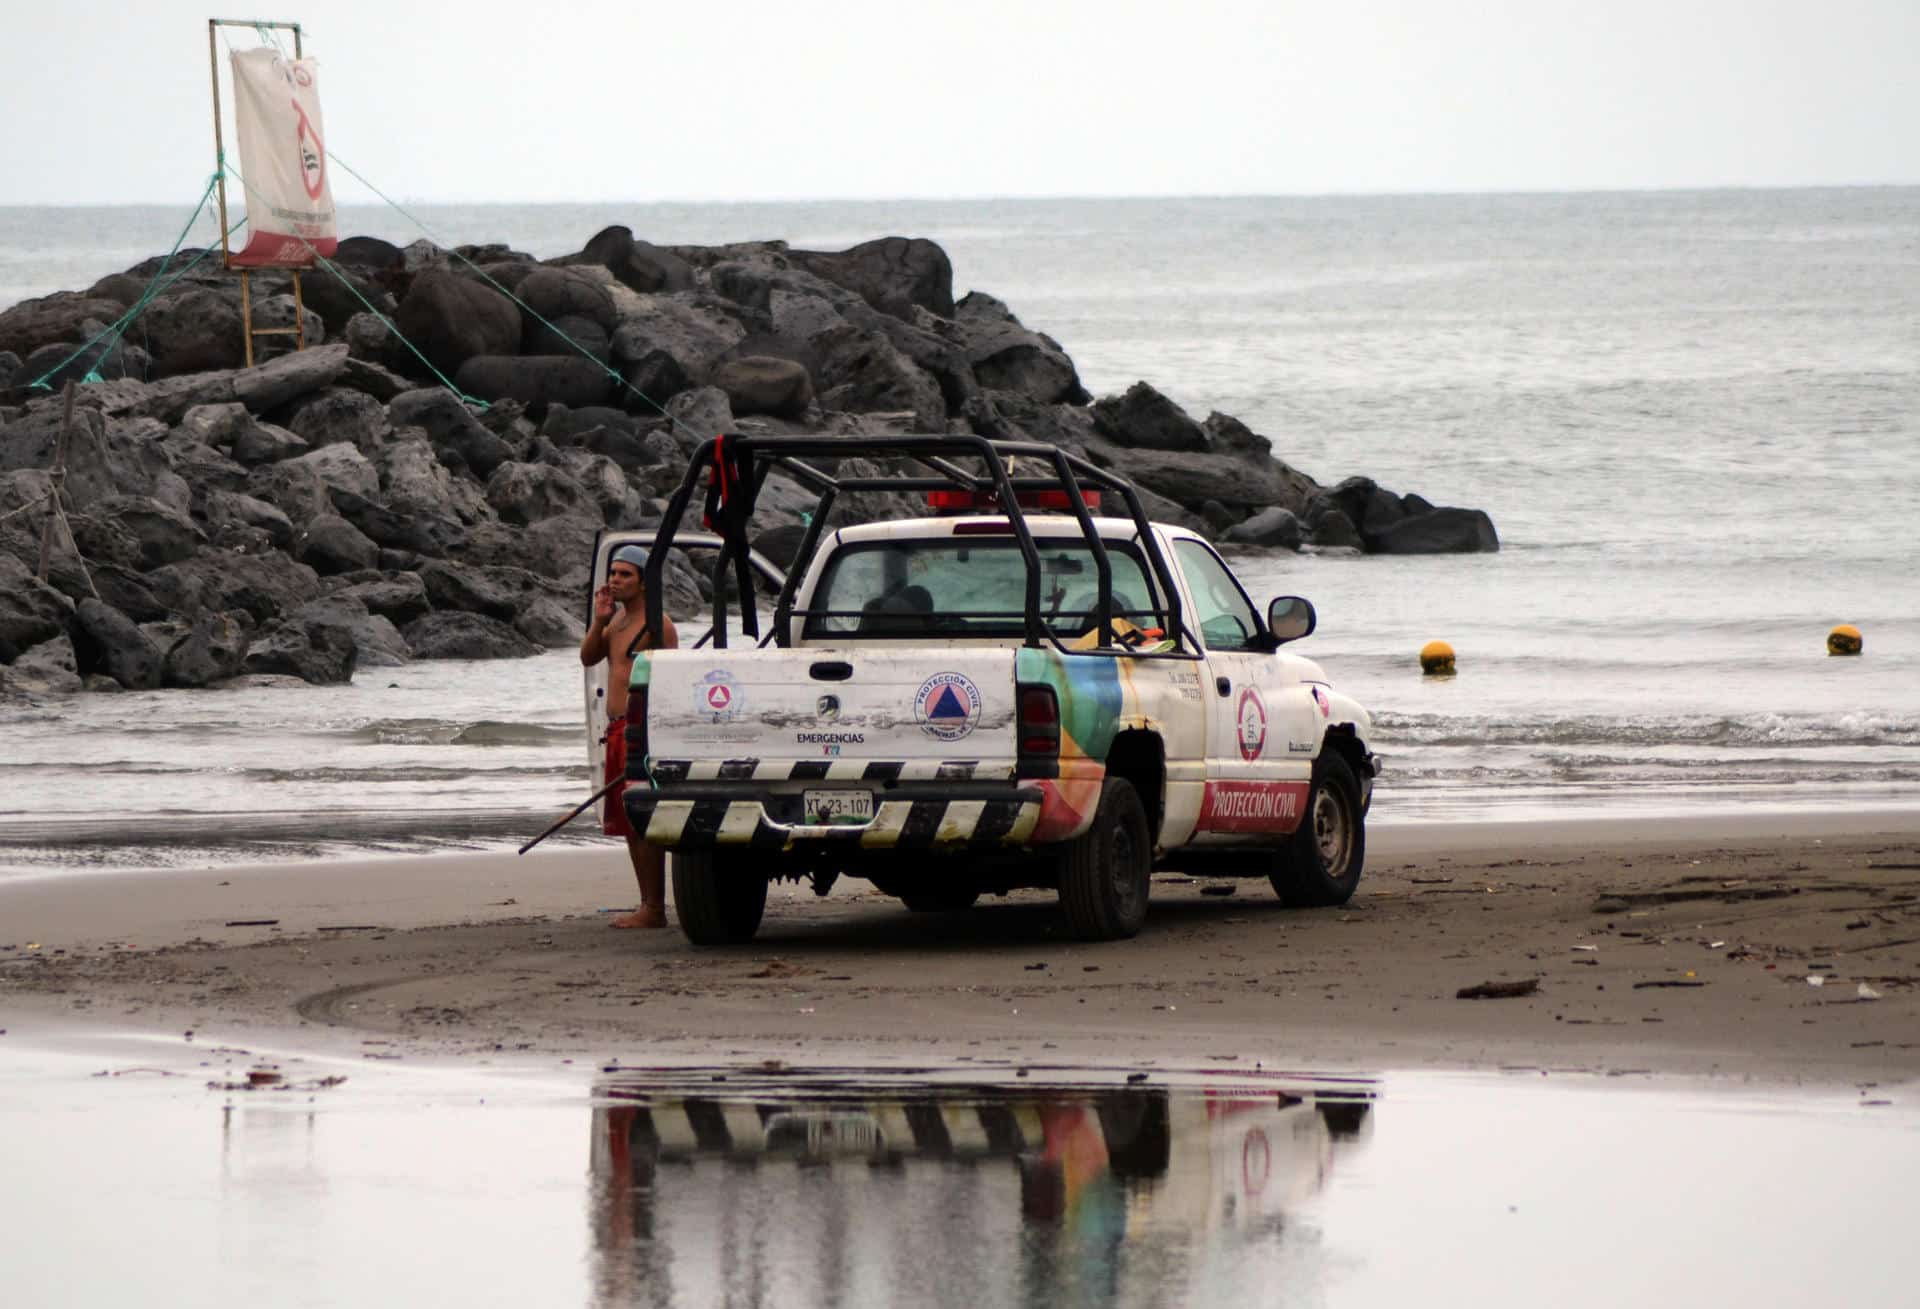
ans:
(630, 554)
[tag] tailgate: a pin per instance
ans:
(934, 705)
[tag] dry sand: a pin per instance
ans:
(1659, 946)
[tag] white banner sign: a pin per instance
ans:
(283, 160)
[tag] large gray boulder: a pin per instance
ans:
(398, 597)
(292, 486)
(546, 621)
(420, 533)
(194, 331)
(556, 293)
(699, 415)
(1144, 419)
(452, 429)
(27, 326)
(864, 374)
(281, 381)
(1191, 479)
(560, 549)
(1006, 356)
(1445, 530)
(321, 653)
(568, 336)
(96, 466)
(527, 493)
(537, 380)
(340, 415)
(694, 330)
(637, 265)
(160, 534)
(47, 668)
(377, 643)
(56, 364)
(451, 319)
(216, 425)
(264, 586)
(195, 469)
(760, 384)
(893, 274)
(263, 443)
(330, 544)
(30, 611)
(107, 641)
(1274, 528)
(342, 467)
(230, 508)
(214, 648)
(465, 636)
(414, 481)
(129, 592)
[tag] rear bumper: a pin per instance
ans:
(933, 814)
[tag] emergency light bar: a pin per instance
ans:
(969, 501)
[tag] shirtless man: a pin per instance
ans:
(619, 628)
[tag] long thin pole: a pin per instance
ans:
(572, 814)
(219, 146)
(59, 477)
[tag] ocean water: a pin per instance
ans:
(1693, 416)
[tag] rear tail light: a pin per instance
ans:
(1039, 724)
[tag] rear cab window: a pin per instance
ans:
(970, 587)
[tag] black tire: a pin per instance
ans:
(1105, 872)
(941, 898)
(716, 898)
(1320, 864)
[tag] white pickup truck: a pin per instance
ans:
(995, 698)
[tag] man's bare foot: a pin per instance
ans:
(647, 915)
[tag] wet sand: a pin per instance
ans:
(1679, 947)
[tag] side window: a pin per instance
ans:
(1227, 620)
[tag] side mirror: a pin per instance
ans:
(1289, 618)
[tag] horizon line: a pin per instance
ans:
(1054, 197)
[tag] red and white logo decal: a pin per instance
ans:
(1252, 806)
(1252, 724)
(719, 697)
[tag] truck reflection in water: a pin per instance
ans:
(834, 1193)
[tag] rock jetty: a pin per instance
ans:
(336, 507)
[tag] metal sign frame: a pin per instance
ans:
(248, 331)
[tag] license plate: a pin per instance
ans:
(836, 806)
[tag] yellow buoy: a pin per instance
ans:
(1436, 657)
(1844, 640)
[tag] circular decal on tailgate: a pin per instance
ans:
(718, 694)
(1253, 724)
(947, 706)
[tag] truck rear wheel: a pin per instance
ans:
(1105, 872)
(1320, 865)
(717, 899)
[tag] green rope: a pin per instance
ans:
(334, 268)
(583, 352)
(155, 286)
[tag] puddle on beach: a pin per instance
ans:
(968, 1187)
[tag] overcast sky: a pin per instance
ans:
(745, 100)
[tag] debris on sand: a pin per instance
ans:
(1498, 990)
(262, 1078)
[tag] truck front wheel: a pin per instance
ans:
(718, 901)
(1320, 865)
(1104, 873)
